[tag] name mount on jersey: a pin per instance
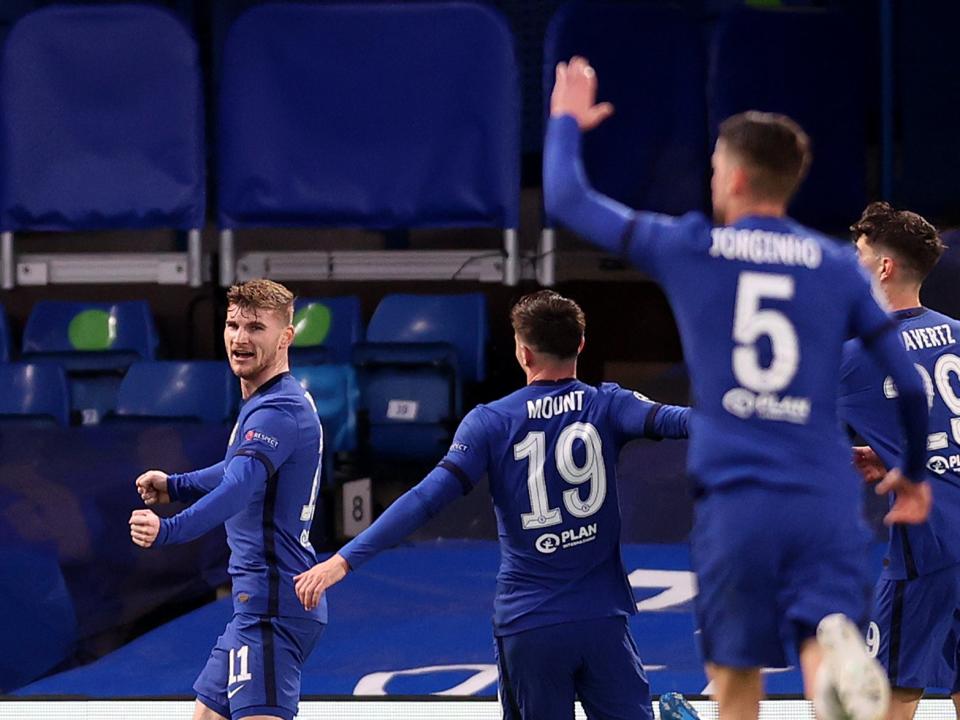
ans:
(549, 543)
(545, 408)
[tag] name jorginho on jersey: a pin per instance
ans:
(764, 247)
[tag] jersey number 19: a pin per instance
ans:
(533, 448)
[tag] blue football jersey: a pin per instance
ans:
(277, 443)
(550, 450)
(765, 372)
(867, 399)
(763, 307)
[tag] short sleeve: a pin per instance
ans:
(468, 453)
(269, 434)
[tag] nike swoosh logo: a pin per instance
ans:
(231, 693)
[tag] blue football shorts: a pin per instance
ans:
(544, 670)
(915, 630)
(770, 564)
(254, 669)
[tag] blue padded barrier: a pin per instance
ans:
(72, 489)
(417, 127)
(799, 62)
(34, 392)
(101, 120)
(38, 623)
(651, 63)
(195, 391)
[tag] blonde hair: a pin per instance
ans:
(262, 294)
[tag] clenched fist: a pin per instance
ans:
(152, 486)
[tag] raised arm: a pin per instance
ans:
(567, 195)
(645, 239)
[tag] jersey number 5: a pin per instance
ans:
(533, 447)
(751, 322)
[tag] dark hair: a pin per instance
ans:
(774, 148)
(549, 323)
(906, 235)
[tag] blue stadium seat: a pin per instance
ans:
(651, 61)
(94, 342)
(418, 127)
(88, 336)
(762, 60)
(197, 391)
(926, 103)
(410, 393)
(419, 350)
(327, 329)
(652, 154)
(34, 392)
(334, 391)
(101, 127)
(460, 320)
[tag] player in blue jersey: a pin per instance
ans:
(763, 306)
(915, 624)
(550, 452)
(264, 492)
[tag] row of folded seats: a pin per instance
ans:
(286, 156)
(394, 391)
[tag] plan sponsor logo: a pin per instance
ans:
(745, 404)
(549, 543)
(459, 447)
(940, 464)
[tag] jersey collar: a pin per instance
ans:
(270, 383)
(561, 381)
(908, 313)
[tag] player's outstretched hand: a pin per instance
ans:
(575, 93)
(868, 464)
(310, 585)
(913, 500)
(144, 527)
(152, 486)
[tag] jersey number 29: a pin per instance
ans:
(533, 447)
